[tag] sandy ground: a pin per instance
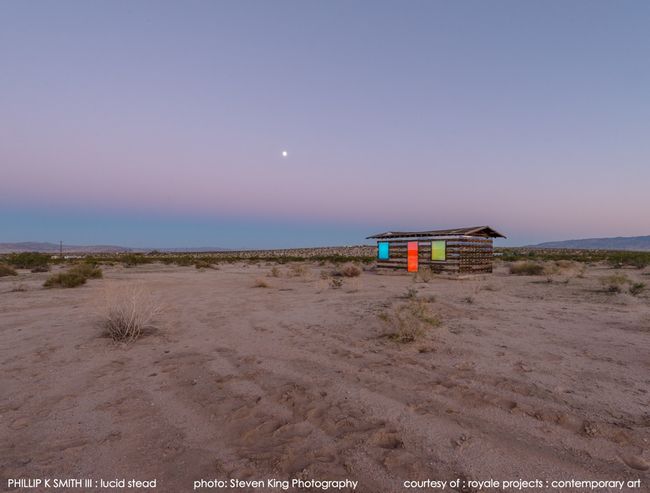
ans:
(524, 379)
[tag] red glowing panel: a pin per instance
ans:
(412, 265)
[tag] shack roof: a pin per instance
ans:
(484, 231)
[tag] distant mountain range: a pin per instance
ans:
(638, 243)
(44, 247)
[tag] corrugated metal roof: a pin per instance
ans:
(484, 231)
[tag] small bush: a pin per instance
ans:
(411, 293)
(637, 288)
(526, 268)
(350, 270)
(297, 270)
(64, 280)
(128, 313)
(424, 275)
(75, 276)
(614, 283)
(260, 283)
(410, 321)
(40, 268)
(203, 264)
(88, 271)
(133, 259)
(336, 283)
(7, 270)
(20, 288)
(275, 272)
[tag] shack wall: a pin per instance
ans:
(464, 254)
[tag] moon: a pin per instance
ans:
(285, 153)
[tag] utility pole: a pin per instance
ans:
(61, 249)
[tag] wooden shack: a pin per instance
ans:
(449, 251)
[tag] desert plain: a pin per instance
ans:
(261, 370)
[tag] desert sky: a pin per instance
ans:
(163, 124)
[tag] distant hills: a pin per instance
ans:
(637, 243)
(53, 248)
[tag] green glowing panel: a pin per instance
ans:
(439, 250)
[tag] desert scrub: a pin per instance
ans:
(347, 270)
(411, 293)
(274, 272)
(128, 313)
(526, 268)
(614, 283)
(410, 321)
(28, 260)
(637, 288)
(203, 264)
(297, 270)
(260, 283)
(75, 276)
(336, 283)
(64, 280)
(7, 270)
(88, 271)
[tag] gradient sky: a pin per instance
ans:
(161, 124)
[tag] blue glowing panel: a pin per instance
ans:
(382, 253)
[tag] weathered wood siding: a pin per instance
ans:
(464, 255)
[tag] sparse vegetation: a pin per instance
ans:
(526, 268)
(260, 283)
(411, 293)
(75, 276)
(19, 288)
(336, 283)
(275, 272)
(203, 264)
(40, 268)
(128, 313)
(7, 270)
(64, 280)
(297, 270)
(88, 271)
(637, 288)
(614, 283)
(469, 300)
(348, 270)
(614, 258)
(410, 321)
(423, 275)
(28, 260)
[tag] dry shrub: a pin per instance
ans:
(203, 264)
(40, 268)
(275, 272)
(19, 288)
(336, 283)
(410, 321)
(411, 293)
(614, 283)
(88, 271)
(260, 283)
(526, 268)
(297, 270)
(324, 275)
(637, 288)
(75, 276)
(7, 270)
(350, 270)
(423, 275)
(128, 313)
(64, 280)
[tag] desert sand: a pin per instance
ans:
(523, 379)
